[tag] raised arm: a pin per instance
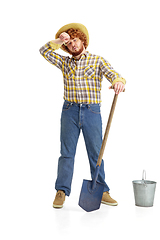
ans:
(48, 50)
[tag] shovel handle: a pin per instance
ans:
(107, 129)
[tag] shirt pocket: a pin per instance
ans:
(89, 72)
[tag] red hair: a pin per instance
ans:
(76, 33)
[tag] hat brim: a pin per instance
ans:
(79, 26)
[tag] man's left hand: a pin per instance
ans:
(118, 87)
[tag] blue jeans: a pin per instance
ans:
(74, 118)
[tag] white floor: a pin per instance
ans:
(27, 193)
(29, 215)
(126, 221)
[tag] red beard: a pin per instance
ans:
(76, 53)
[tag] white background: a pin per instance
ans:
(126, 33)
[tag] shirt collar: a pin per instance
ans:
(84, 54)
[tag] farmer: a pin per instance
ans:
(82, 76)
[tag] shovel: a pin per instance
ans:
(92, 191)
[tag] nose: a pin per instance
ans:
(73, 44)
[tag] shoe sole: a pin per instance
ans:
(110, 204)
(57, 206)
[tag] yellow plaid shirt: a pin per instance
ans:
(82, 78)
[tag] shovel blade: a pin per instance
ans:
(90, 199)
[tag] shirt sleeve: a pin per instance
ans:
(110, 73)
(48, 52)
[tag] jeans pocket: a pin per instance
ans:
(95, 108)
(66, 106)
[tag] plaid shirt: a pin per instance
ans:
(82, 78)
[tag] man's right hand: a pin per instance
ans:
(64, 37)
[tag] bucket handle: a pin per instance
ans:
(143, 179)
(144, 173)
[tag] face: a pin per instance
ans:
(75, 46)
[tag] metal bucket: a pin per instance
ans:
(144, 191)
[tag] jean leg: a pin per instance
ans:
(92, 132)
(69, 137)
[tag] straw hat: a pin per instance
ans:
(79, 26)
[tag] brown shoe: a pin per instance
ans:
(106, 199)
(59, 199)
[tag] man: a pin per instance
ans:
(82, 75)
